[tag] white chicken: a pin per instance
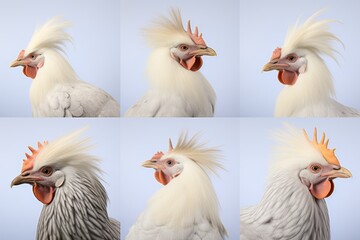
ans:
(186, 208)
(309, 90)
(177, 88)
(56, 90)
(293, 206)
(65, 178)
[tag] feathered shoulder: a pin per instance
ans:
(70, 150)
(312, 35)
(208, 158)
(165, 31)
(51, 35)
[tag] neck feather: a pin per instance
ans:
(288, 211)
(56, 70)
(78, 209)
(168, 76)
(198, 201)
(312, 87)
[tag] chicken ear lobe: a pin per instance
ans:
(44, 194)
(323, 189)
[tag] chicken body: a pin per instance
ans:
(65, 179)
(177, 88)
(287, 211)
(56, 91)
(308, 90)
(293, 206)
(186, 208)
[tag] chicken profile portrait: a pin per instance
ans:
(56, 90)
(177, 88)
(309, 89)
(300, 178)
(186, 207)
(65, 178)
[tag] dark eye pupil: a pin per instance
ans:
(46, 171)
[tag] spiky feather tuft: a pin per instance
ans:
(70, 150)
(313, 35)
(51, 35)
(293, 151)
(167, 31)
(207, 158)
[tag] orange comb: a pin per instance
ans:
(195, 36)
(157, 155)
(276, 54)
(328, 154)
(29, 161)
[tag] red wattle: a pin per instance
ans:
(44, 194)
(287, 77)
(323, 189)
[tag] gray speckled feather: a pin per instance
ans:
(78, 211)
(287, 211)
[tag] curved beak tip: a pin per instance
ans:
(267, 67)
(15, 63)
(212, 52)
(150, 164)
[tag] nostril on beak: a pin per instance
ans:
(25, 174)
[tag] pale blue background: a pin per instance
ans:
(263, 26)
(19, 209)
(94, 54)
(219, 23)
(256, 145)
(141, 138)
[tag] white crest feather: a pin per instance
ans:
(167, 32)
(69, 150)
(207, 158)
(313, 35)
(51, 35)
(293, 151)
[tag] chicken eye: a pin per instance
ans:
(292, 58)
(47, 171)
(170, 163)
(315, 168)
(183, 47)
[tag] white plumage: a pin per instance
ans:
(293, 206)
(56, 91)
(309, 90)
(186, 208)
(177, 88)
(66, 180)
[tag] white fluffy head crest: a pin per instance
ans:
(207, 158)
(167, 32)
(313, 35)
(69, 150)
(294, 151)
(51, 35)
